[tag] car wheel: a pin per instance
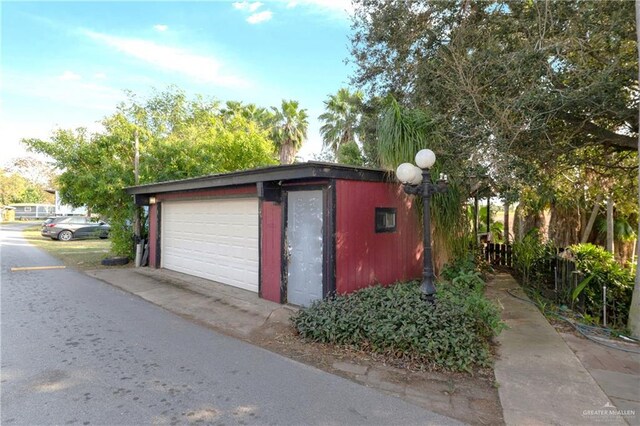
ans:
(65, 235)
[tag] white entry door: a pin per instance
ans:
(212, 239)
(304, 239)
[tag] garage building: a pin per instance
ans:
(292, 234)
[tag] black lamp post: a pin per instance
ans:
(417, 181)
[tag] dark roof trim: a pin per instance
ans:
(301, 171)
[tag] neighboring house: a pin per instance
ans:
(66, 209)
(292, 234)
(27, 211)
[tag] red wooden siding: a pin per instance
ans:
(364, 257)
(271, 251)
(153, 234)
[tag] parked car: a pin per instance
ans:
(49, 220)
(69, 227)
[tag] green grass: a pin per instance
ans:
(78, 254)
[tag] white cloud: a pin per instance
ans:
(247, 5)
(241, 5)
(256, 18)
(100, 75)
(161, 28)
(254, 6)
(203, 68)
(69, 76)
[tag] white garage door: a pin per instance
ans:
(212, 239)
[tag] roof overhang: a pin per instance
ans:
(292, 172)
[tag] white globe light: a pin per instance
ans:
(405, 172)
(417, 176)
(425, 158)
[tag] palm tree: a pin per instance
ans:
(402, 132)
(289, 130)
(263, 117)
(231, 110)
(259, 115)
(341, 118)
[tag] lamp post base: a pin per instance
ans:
(428, 291)
(429, 298)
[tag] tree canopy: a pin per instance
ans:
(508, 80)
(178, 138)
(540, 97)
(26, 180)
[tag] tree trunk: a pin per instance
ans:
(609, 246)
(592, 219)
(287, 153)
(524, 223)
(506, 223)
(489, 238)
(634, 310)
(520, 223)
(564, 226)
(475, 219)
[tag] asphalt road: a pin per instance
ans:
(75, 350)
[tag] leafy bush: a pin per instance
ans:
(395, 321)
(526, 253)
(534, 260)
(121, 234)
(600, 269)
(469, 267)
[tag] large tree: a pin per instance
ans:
(528, 90)
(508, 80)
(289, 129)
(26, 180)
(178, 139)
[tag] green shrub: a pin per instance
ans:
(533, 260)
(464, 267)
(527, 253)
(121, 235)
(395, 321)
(599, 268)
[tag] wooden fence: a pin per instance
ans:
(498, 254)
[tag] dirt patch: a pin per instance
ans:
(472, 399)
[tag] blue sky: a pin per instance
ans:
(67, 64)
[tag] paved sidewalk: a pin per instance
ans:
(230, 310)
(541, 380)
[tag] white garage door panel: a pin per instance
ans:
(216, 240)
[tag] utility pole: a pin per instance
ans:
(136, 211)
(506, 222)
(136, 158)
